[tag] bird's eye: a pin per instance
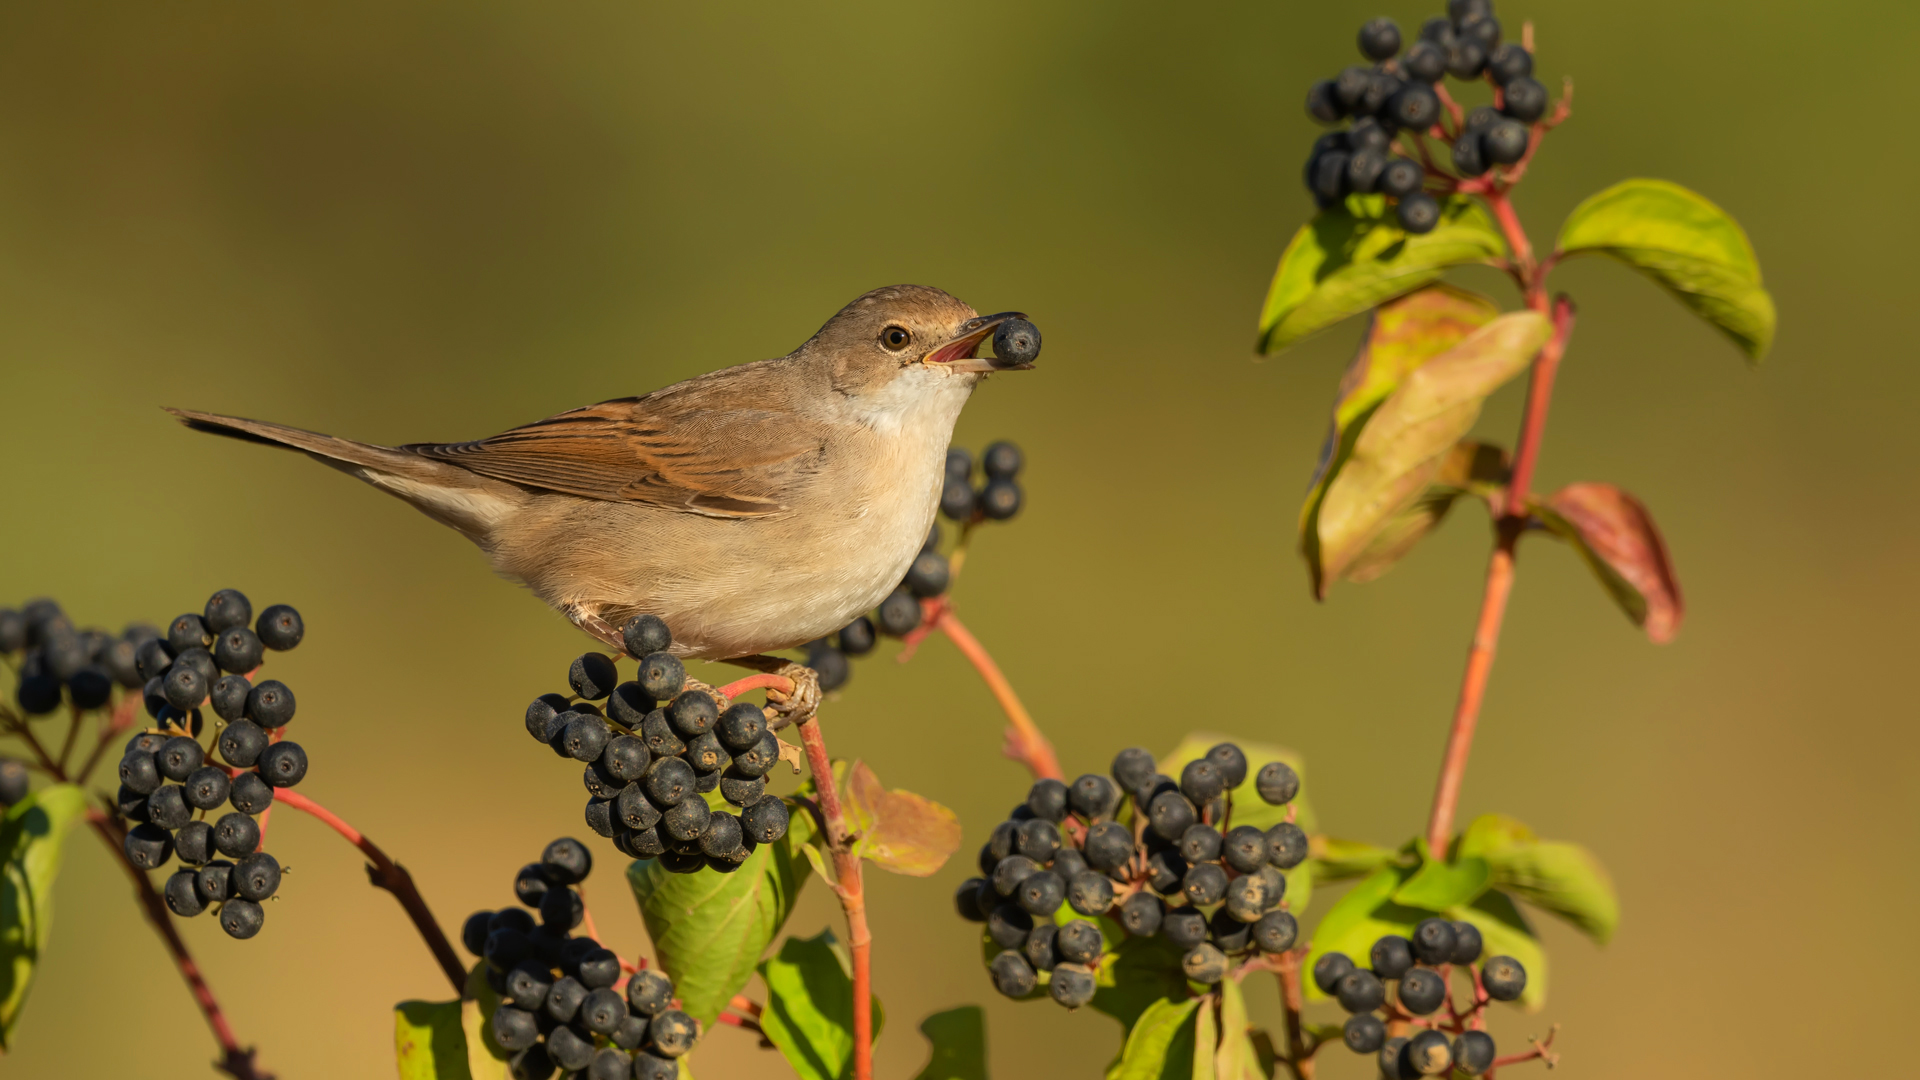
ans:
(895, 337)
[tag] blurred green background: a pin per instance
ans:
(434, 221)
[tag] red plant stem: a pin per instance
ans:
(1299, 1062)
(236, 1061)
(391, 876)
(1025, 744)
(851, 890)
(745, 1006)
(1511, 524)
(755, 682)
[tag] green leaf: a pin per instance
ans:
(709, 929)
(1490, 834)
(1334, 859)
(1206, 1038)
(1160, 1044)
(1505, 932)
(1438, 884)
(1619, 542)
(485, 1059)
(30, 838)
(1135, 975)
(1470, 468)
(1564, 879)
(900, 831)
(1410, 437)
(1561, 878)
(809, 1010)
(1353, 256)
(959, 1038)
(1689, 245)
(429, 1042)
(1236, 1057)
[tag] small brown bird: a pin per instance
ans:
(753, 509)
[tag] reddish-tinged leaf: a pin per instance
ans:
(1619, 541)
(1472, 468)
(901, 831)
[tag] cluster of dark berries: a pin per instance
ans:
(169, 783)
(649, 765)
(997, 499)
(1397, 94)
(59, 664)
(1180, 870)
(1408, 978)
(564, 1002)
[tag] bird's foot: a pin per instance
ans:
(795, 707)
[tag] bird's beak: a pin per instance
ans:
(957, 354)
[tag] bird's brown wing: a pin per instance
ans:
(677, 451)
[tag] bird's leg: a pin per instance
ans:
(597, 626)
(790, 708)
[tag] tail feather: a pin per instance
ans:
(445, 492)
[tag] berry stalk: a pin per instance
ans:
(1508, 529)
(391, 876)
(1025, 743)
(1299, 1059)
(851, 890)
(236, 1061)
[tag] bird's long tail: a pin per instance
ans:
(444, 492)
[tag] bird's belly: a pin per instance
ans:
(730, 587)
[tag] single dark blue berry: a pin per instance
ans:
(668, 781)
(1166, 870)
(1379, 39)
(566, 861)
(1505, 142)
(187, 632)
(899, 613)
(1108, 846)
(1228, 932)
(1433, 941)
(1509, 62)
(585, 737)
(1418, 212)
(686, 819)
(270, 704)
(153, 658)
(759, 759)
(765, 821)
(241, 918)
(645, 635)
(1483, 30)
(89, 688)
(1503, 977)
(1524, 99)
(1350, 86)
(1363, 170)
(927, 575)
(241, 743)
(1078, 942)
(957, 498)
(658, 734)
(1092, 796)
(1072, 985)
(1184, 927)
(1329, 970)
(1002, 460)
(168, 807)
(183, 687)
(284, 764)
(1422, 990)
(178, 757)
(280, 628)
(1466, 943)
(140, 772)
(1473, 1052)
(1016, 341)
(1361, 991)
(148, 846)
(1466, 59)
(1391, 956)
(569, 1049)
(237, 650)
(1000, 500)
(229, 697)
(1204, 963)
(1414, 106)
(1244, 849)
(250, 794)
(662, 676)
(1275, 932)
(966, 899)
(1171, 815)
(1277, 783)
(1425, 61)
(1430, 1053)
(858, 637)
(182, 898)
(593, 676)
(1323, 102)
(1041, 893)
(1364, 1033)
(1008, 925)
(629, 705)
(602, 1010)
(236, 835)
(473, 933)
(1204, 884)
(649, 992)
(256, 876)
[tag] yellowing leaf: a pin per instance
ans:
(31, 836)
(428, 1041)
(902, 832)
(1410, 436)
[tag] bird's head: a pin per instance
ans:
(912, 335)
